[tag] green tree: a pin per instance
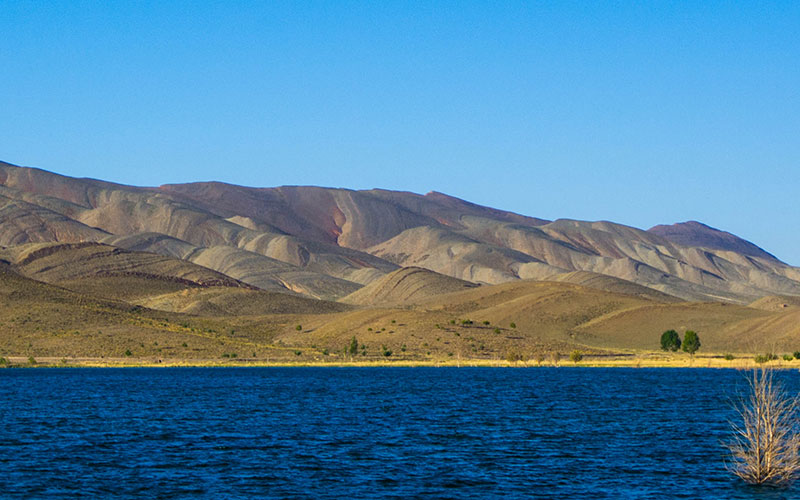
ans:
(670, 341)
(691, 342)
(353, 346)
(576, 356)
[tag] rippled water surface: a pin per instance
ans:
(369, 433)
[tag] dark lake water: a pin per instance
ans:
(369, 433)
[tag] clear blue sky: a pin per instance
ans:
(637, 112)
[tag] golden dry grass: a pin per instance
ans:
(471, 326)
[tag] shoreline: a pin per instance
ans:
(646, 361)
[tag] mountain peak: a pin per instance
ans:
(697, 234)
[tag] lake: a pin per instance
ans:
(370, 433)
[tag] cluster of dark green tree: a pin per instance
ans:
(671, 341)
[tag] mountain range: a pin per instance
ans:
(327, 243)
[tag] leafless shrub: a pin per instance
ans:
(765, 442)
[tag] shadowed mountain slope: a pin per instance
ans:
(110, 272)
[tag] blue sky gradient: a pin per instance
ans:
(637, 112)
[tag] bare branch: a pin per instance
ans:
(765, 441)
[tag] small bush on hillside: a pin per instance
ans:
(386, 352)
(576, 356)
(513, 356)
(298, 327)
(3, 361)
(486, 323)
(761, 358)
(185, 344)
(466, 322)
(512, 325)
(796, 354)
(729, 357)
(788, 357)
(496, 330)
(128, 353)
(298, 353)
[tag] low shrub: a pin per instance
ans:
(729, 357)
(513, 356)
(788, 357)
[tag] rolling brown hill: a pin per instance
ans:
(530, 317)
(776, 303)
(408, 285)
